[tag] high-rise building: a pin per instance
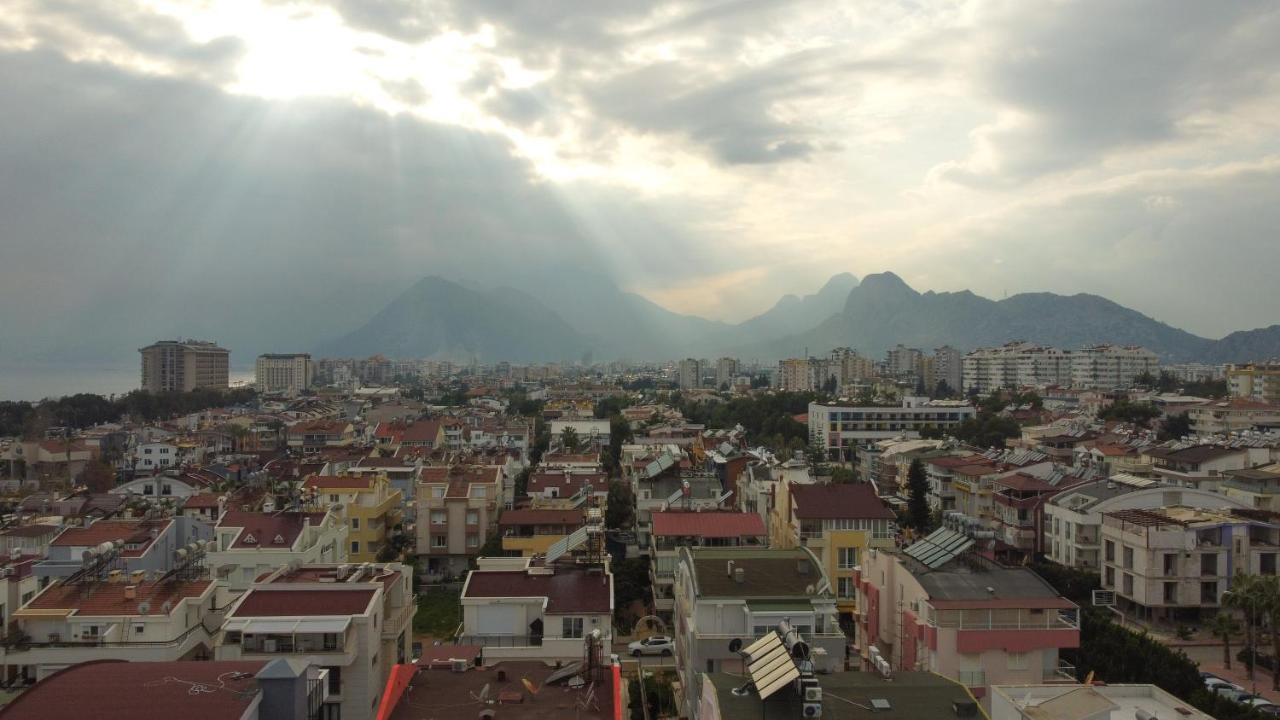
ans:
(726, 371)
(902, 361)
(947, 366)
(690, 374)
(289, 373)
(1255, 381)
(853, 367)
(184, 365)
(1015, 365)
(1107, 367)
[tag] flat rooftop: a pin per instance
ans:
(767, 572)
(442, 693)
(1072, 702)
(973, 581)
(849, 696)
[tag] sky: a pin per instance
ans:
(274, 171)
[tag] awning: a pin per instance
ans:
(324, 625)
(798, 607)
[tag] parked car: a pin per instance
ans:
(1269, 710)
(1258, 702)
(1234, 694)
(654, 645)
(1217, 684)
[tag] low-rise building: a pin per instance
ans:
(674, 529)
(838, 429)
(525, 609)
(1234, 415)
(457, 508)
(1255, 381)
(314, 435)
(1096, 702)
(372, 508)
(740, 593)
(908, 695)
(18, 584)
(963, 616)
(142, 544)
(529, 532)
(1258, 488)
(1176, 561)
(136, 617)
(249, 544)
(1203, 466)
(355, 621)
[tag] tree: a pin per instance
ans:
(98, 477)
(1175, 426)
(619, 434)
(1224, 626)
(1269, 600)
(1134, 413)
(918, 498)
(620, 506)
(841, 474)
(1248, 596)
(569, 439)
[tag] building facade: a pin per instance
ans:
(837, 429)
(184, 365)
(289, 374)
(1255, 381)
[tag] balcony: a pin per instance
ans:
(1064, 672)
(972, 678)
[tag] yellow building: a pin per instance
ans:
(372, 509)
(529, 532)
(839, 523)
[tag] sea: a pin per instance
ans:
(33, 383)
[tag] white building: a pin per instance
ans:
(1015, 365)
(354, 621)
(1107, 367)
(689, 374)
(839, 428)
(1097, 702)
(522, 609)
(283, 373)
(249, 544)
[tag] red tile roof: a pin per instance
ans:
(107, 598)
(262, 529)
(541, 517)
(1023, 483)
(422, 431)
(131, 531)
(838, 501)
(330, 482)
(954, 461)
(567, 591)
(117, 690)
(707, 524)
(204, 500)
(288, 602)
(29, 531)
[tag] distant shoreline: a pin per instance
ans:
(32, 383)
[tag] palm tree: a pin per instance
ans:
(1247, 596)
(1269, 590)
(1223, 626)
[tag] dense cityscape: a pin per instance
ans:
(944, 531)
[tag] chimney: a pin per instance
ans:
(739, 575)
(130, 592)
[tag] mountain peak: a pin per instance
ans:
(840, 282)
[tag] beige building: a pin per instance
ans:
(1107, 367)
(1255, 381)
(249, 544)
(283, 373)
(457, 509)
(184, 365)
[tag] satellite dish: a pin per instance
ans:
(736, 644)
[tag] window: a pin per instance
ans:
(1209, 564)
(571, 627)
(1170, 564)
(1128, 584)
(355, 523)
(89, 631)
(848, 558)
(437, 491)
(473, 517)
(333, 498)
(437, 517)
(335, 680)
(331, 641)
(478, 491)
(139, 628)
(844, 587)
(473, 541)
(1017, 660)
(1171, 593)
(1128, 558)
(438, 541)
(355, 546)
(1110, 550)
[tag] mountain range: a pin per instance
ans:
(595, 320)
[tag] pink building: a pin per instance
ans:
(962, 616)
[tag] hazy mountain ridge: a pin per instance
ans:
(595, 319)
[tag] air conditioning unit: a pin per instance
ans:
(459, 666)
(813, 694)
(811, 710)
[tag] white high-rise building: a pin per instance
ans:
(726, 371)
(690, 374)
(1014, 365)
(947, 366)
(1107, 367)
(289, 373)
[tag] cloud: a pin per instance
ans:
(1079, 81)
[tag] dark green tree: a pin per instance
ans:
(619, 512)
(918, 516)
(1175, 426)
(569, 439)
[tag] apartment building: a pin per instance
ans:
(837, 429)
(674, 529)
(742, 593)
(311, 436)
(948, 472)
(184, 365)
(689, 374)
(354, 621)
(948, 367)
(288, 374)
(143, 544)
(18, 582)
(1109, 367)
(372, 507)
(940, 608)
(249, 544)
(726, 372)
(275, 690)
(41, 463)
(1175, 561)
(1203, 466)
(27, 539)
(525, 609)
(839, 523)
(1015, 365)
(851, 367)
(1255, 381)
(1257, 488)
(1234, 416)
(457, 508)
(135, 617)
(528, 532)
